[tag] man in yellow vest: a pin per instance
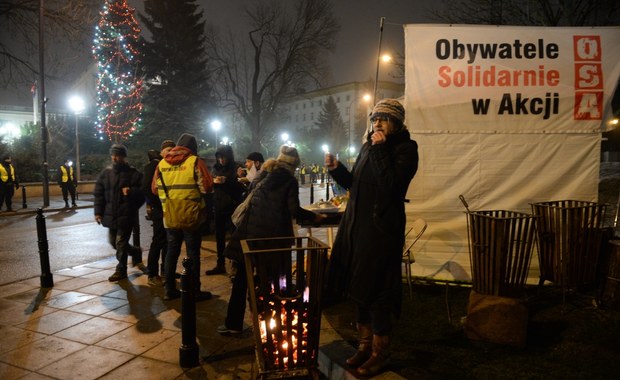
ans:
(182, 181)
(8, 183)
(67, 182)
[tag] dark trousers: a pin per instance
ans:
(68, 188)
(159, 243)
(192, 240)
(6, 195)
(380, 319)
(222, 225)
(119, 239)
(237, 301)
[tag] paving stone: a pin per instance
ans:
(13, 338)
(54, 322)
(40, 353)
(90, 363)
(93, 330)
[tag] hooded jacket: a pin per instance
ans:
(178, 155)
(274, 203)
(229, 194)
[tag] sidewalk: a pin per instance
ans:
(88, 328)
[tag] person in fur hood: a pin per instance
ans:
(274, 203)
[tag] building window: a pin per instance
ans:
(348, 98)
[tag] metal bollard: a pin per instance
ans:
(327, 191)
(24, 203)
(47, 280)
(311, 193)
(188, 352)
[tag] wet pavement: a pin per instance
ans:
(85, 327)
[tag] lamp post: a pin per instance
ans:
(216, 125)
(77, 105)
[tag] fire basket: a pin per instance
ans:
(285, 277)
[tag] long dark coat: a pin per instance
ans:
(366, 257)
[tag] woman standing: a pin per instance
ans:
(366, 258)
(274, 204)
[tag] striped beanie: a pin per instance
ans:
(390, 108)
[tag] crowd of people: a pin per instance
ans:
(178, 188)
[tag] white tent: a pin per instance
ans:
(506, 116)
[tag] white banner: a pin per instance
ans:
(506, 116)
(510, 79)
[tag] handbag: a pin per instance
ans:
(239, 215)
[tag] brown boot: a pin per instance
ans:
(379, 359)
(365, 346)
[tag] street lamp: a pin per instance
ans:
(216, 125)
(284, 137)
(77, 105)
(225, 140)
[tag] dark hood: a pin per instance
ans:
(227, 152)
(188, 141)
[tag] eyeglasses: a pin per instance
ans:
(379, 118)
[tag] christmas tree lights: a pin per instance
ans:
(119, 86)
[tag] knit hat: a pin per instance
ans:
(118, 150)
(289, 156)
(390, 108)
(255, 156)
(188, 141)
(167, 144)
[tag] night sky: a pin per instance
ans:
(353, 60)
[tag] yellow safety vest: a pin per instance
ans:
(65, 175)
(179, 181)
(4, 175)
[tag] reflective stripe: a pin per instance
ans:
(65, 175)
(179, 179)
(4, 175)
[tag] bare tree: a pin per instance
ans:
(532, 12)
(284, 52)
(69, 21)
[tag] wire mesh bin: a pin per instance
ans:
(570, 234)
(500, 250)
(285, 278)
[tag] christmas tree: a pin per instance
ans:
(119, 86)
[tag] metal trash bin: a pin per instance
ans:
(285, 280)
(570, 235)
(500, 251)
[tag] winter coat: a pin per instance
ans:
(116, 209)
(274, 204)
(366, 257)
(227, 195)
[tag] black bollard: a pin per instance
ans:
(47, 280)
(24, 203)
(311, 193)
(188, 352)
(327, 191)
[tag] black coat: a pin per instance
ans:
(117, 210)
(227, 195)
(274, 204)
(367, 252)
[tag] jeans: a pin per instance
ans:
(192, 240)
(119, 239)
(159, 243)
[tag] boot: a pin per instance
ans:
(66, 204)
(365, 346)
(379, 359)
